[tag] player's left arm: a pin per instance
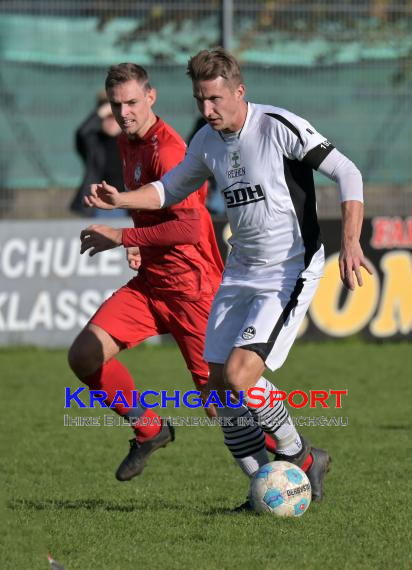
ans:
(99, 237)
(351, 257)
(183, 229)
(339, 168)
(301, 141)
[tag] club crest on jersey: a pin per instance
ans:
(235, 159)
(242, 194)
(237, 169)
(249, 333)
(137, 172)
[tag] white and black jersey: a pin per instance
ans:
(264, 173)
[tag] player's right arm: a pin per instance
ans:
(172, 188)
(107, 197)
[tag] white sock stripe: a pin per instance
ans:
(250, 454)
(245, 443)
(280, 419)
(270, 417)
(271, 412)
(277, 408)
(275, 419)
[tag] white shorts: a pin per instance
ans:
(263, 315)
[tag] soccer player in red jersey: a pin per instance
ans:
(179, 269)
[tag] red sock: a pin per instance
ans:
(308, 462)
(270, 443)
(110, 378)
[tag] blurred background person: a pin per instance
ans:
(96, 144)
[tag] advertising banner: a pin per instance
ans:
(382, 308)
(48, 291)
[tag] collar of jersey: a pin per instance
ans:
(230, 137)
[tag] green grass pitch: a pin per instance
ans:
(59, 493)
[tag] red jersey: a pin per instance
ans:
(180, 256)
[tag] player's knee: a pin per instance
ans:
(242, 370)
(84, 356)
(234, 381)
(234, 377)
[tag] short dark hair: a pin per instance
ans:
(123, 72)
(214, 63)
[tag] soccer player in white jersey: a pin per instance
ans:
(262, 158)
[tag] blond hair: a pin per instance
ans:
(214, 63)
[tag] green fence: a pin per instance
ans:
(345, 70)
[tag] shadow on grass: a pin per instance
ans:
(87, 504)
(226, 511)
(104, 505)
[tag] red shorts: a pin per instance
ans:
(130, 315)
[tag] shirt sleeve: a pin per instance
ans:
(184, 229)
(300, 140)
(341, 170)
(187, 176)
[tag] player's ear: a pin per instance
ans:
(240, 90)
(152, 96)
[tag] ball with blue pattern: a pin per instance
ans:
(280, 488)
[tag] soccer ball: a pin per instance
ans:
(280, 488)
